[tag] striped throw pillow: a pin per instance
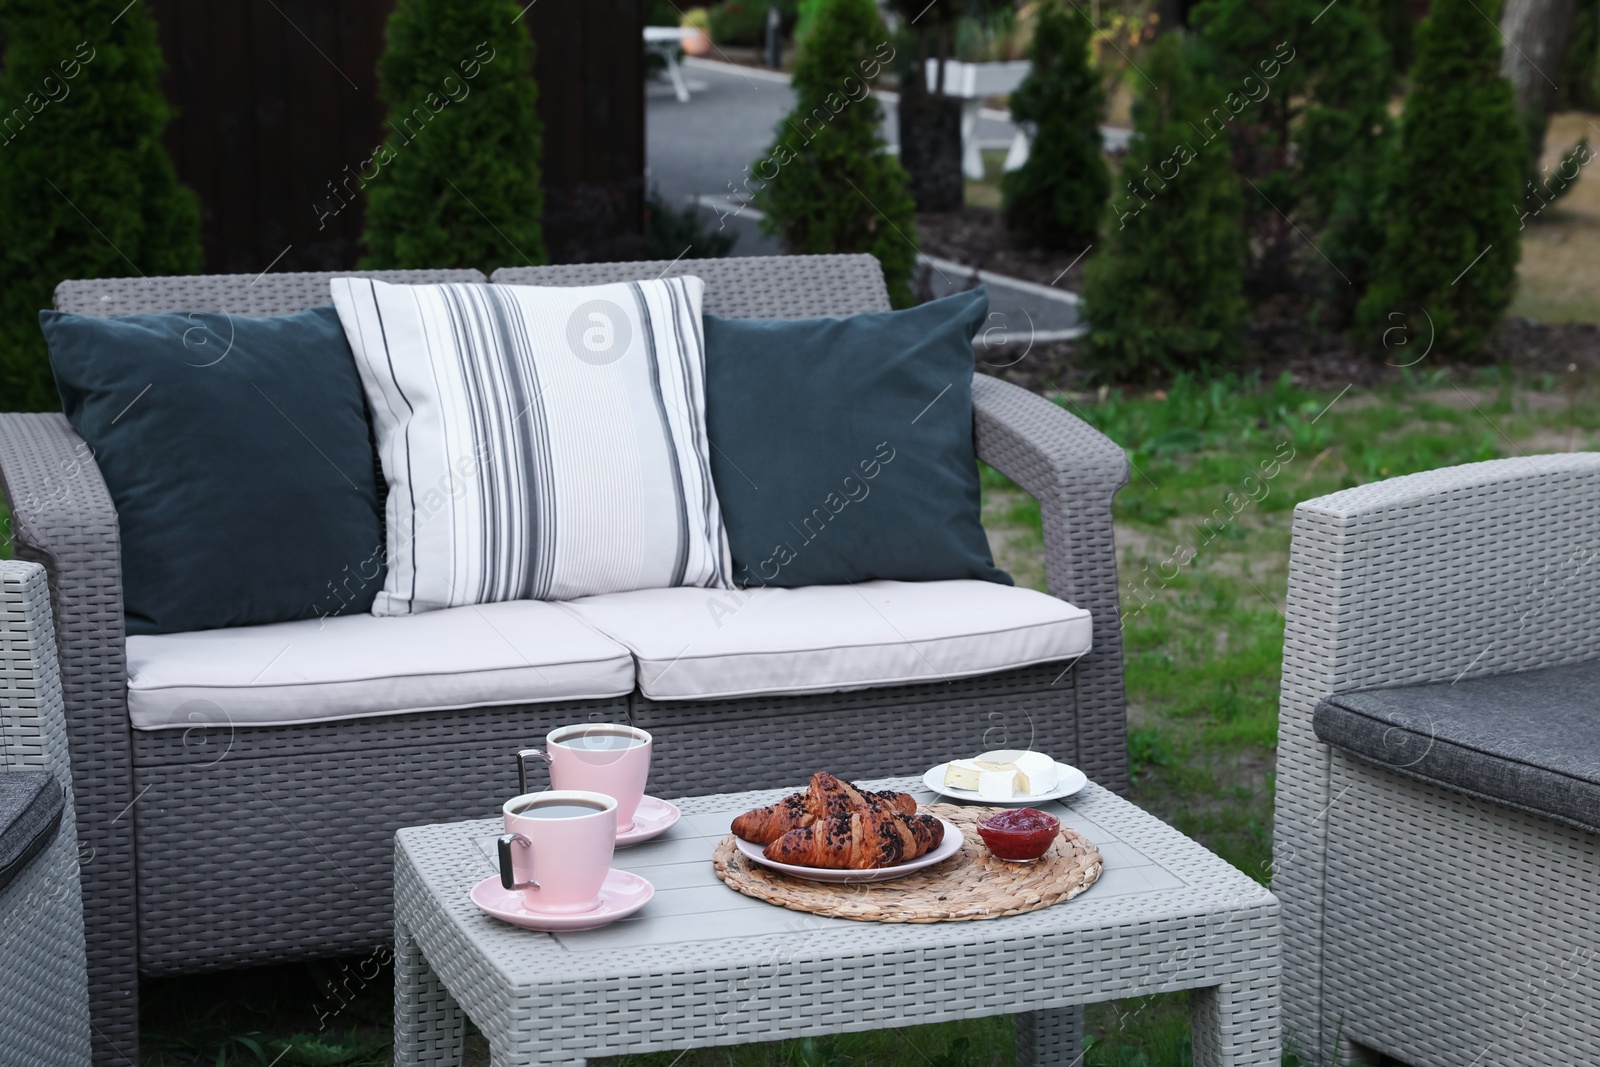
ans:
(540, 443)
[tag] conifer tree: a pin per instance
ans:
(1454, 193)
(1166, 292)
(826, 184)
(1303, 96)
(1056, 199)
(86, 189)
(457, 182)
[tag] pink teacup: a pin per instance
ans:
(557, 848)
(601, 757)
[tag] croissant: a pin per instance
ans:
(859, 841)
(826, 795)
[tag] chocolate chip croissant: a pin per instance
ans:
(825, 796)
(861, 840)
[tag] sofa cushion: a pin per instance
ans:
(516, 652)
(842, 447)
(30, 813)
(1529, 740)
(709, 643)
(539, 442)
(237, 454)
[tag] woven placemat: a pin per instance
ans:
(972, 884)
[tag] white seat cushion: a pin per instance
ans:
(706, 643)
(352, 666)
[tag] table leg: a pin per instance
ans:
(1052, 1037)
(675, 72)
(971, 158)
(428, 1025)
(1017, 154)
(1236, 1024)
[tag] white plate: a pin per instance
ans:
(947, 848)
(1068, 781)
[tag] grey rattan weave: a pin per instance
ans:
(179, 818)
(44, 995)
(238, 294)
(1428, 925)
(704, 965)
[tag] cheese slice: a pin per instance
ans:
(1036, 774)
(962, 774)
(1003, 775)
(997, 785)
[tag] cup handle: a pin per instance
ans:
(522, 767)
(508, 877)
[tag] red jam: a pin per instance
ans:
(1021, 835)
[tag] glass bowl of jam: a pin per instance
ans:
(1020, 835)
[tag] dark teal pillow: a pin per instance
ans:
(842, 447)
(237, 455)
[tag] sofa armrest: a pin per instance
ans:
(1073, 471)
(1485, 568)
(62, 518)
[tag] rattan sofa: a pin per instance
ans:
(1437, 847)
(179, 819)
(44, 996)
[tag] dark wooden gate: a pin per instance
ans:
(275, 98)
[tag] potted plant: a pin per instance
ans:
(697, 43)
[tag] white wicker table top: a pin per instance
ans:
(697, 924)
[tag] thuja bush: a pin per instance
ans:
(1453, 196)
(1056, 198)
(1166, 292)
(826, 184)
(456, 184)
(86, 190)
(1302, 91)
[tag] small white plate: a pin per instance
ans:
(1068, 781)
(622, 894)
(653, 818)
(947, 848)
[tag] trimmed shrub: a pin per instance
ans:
(1456, 188)
(457, 183)
(1166, 292)
(86, 189)
(1056, 198)
(826, 184)
(1304, 92)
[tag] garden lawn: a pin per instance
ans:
(1203, 541)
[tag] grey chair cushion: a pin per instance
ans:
(30, 814)
(1529, 741)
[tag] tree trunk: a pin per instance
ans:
(930, 139)
(1537, 33)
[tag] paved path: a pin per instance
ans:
(698, 152)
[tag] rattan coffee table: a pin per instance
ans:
(704, 965)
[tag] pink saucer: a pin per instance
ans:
(622, 894)
(653, 818)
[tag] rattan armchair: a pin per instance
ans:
(44, 996)
(179, 819)
(1420, 921)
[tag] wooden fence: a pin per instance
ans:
(275, 98)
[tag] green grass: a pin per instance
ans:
(1203, 543)
(1203, 540)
